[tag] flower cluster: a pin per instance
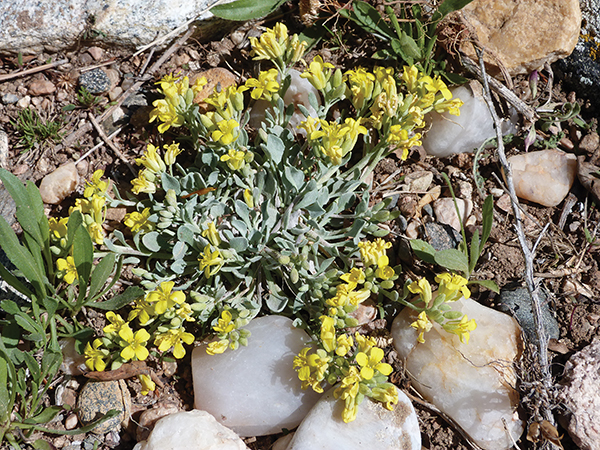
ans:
(278, 46)
(451, 288)
(154, 167)
(229, 332)
(356, 362)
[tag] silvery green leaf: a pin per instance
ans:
(294, 176)
(314, 210)
(179, 250)
(242, 211)
(185, 234)
(308, 199)
(217, 210)
(356, 228)
(303, 109)
(150, 240)
(170, 182)
(239, 244)
(452, 259)
(312, 100)
(274, 148)
(239, 225)
(276, 303)
(270, 187)
(179, 266)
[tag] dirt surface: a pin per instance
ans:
(566, 262)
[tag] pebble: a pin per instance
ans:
(191, 430)
(98, 397)
(114, 77)
(41, 87)
(458, 134)
(149, 418)
(71, 421)
(95, 81)
(590, 142)
(115, 93)
(445, 211)
(58, 185)
(254, 390)
(96, 53)
(9, 99)
(523, 34)
(469, 382)
(442, 236)
(517, 302)
(418, 181)
(24, 102)
(375, 427)
(581, 396)
(544, 177)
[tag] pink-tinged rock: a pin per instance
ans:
(58, 185)
(472, 383)
(255, 390)
(41, 87)
(445, 211)
(544, 177)
(523, 34)
(582, 397)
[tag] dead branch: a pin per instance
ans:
(108, 142)
(10, 76)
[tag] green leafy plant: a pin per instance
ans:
(464, 259)
(411, 37)
(40, 320)
(36, 131)
(243, 10)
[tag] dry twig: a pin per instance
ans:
(528, 253)
(110, 143)
(10, 76)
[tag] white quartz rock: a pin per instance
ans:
(445, 211)
(58, 185)
(254, 390)
(469, 382)
(297, 94)
(458, 134)
(375, 427)
(543, 177)
(191, 430)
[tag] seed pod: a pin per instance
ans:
(294, 276)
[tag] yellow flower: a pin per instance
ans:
(143, 310)
(410, 77)
(248, 198)
(95, 186)
(94, 356)
(354, 277)
(344, 344)
(423, 288)
(217, 347)
(151, 160)
(361, 86)
(212, 234)
(311, 126)
(272, 44)
(234, 158)
(171, 152)
(143, 184)
(318, 72)
(138, 222)
(147, 384)
(163, 299)
(311, 368)
(174, 339)
(364, 343)
(348, 391)
(58, 228)
(452, 286)
(384, 271)
(199, 84)
(328, 332)
(461, 329)
(265, 86)
(435, 85)
(386, 394)
(370, 252)
(226, 133)
(68, 269)
(134, 344)
(96, 232)
(452, 106)
(210, 259)
(225, 323)
(165, 110)
(370, 362)
(422, 325)
(116, 323)
(398, 137)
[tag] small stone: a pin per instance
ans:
(445, 211)
(72, 360)
(149, 418)
(218, 78)
(41, 87)
(97, 398)
(375, 427)
(418, 181)
(58, 185)
(115, 93)
(590, 142)
(254, 390)
(9, 99)
(96, 53)
(71, 422)
(544, 177)
(114, 77)
(412, 230)
(587, 175)
(458, 134)
(365, 313)
(191, 430)
(517, 302)
(95, 81)
(581, 396)
(523, 34)
(442, 236)
(469, 382)
(24, 102)
(283, 442)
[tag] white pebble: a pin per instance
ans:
(58, 185)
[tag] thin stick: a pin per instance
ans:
(96, 147)
(542, 337)
(10, 76)
(110, 143)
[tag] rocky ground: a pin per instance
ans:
(566, 262)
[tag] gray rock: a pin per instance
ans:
(97, 398)
(518, 303)
(95, 81)
(32, 26)
(442, 236)
(9, 99)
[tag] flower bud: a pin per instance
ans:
(294, 276)
(171, 198)
(284, 260)
(533, 81)
(175, 322)
(387, 284)
(337, 78)
(351, 322)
